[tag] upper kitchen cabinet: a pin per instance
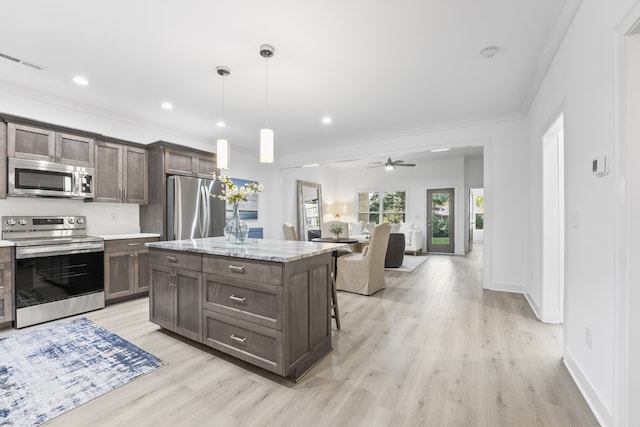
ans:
(121, 173)
(28, 142)
(189, 163)
(3, 160)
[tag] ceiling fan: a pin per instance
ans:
(391, 164)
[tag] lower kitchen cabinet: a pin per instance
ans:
(126, 267)
(275, 315)
(6, 286)
(175, 299)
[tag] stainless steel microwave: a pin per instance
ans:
(45, 179)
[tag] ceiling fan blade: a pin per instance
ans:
(405, 164)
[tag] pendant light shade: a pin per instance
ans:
(266, 146)
(266, 134)
(223, 151)
(222, 154)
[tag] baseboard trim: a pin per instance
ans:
(533, 305)
(508, 287)
(600, 410)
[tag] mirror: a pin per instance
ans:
(309, 208)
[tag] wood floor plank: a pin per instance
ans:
(432, 349)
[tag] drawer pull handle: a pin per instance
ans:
(135, 244)
(236, 269)
(237, 299)
(172, 258)
(241, 340)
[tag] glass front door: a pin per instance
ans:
(440, 224)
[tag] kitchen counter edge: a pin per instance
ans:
(258, 249)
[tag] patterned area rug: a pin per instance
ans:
(48, 371)
(410, 263)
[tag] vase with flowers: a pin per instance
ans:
(336, 228)
(236, 230)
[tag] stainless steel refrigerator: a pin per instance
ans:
(191, 210)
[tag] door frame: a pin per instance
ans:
(451, 247)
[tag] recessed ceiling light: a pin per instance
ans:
(82, 81)
(439, 150)
(326, 120)
(167, 105)
(489, 52)
(221, 124)
(311, 165)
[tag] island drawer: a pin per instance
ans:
(255, 302)
(252, 343)
(127, 244)
(257, 271)
(176, 259)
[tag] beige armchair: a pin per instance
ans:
(289, 231)
(363, 273)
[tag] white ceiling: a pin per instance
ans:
(376, 67)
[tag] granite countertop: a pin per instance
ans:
(260, 249)
(128, 236)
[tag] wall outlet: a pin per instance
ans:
(114, 217)
(587, 336)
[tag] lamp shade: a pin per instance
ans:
(223, 154)
(266, 146)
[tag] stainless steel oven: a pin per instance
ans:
(59, 270)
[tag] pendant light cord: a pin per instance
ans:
(266, 92)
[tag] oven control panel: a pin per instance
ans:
(43, 223)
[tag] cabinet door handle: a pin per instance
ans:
(119, 193)
(135, 244)
(241, 340)
(124, 194)
(236, 268)
(171, 258)
(237, 299)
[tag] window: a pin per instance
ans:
(381, 206)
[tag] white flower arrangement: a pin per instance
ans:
(234, 194)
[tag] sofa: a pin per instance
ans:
(413, 239)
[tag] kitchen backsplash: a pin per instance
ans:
(102, 218)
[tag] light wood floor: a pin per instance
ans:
(432, 349)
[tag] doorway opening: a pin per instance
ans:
(440, 220)
(552, 307)
(476, 216)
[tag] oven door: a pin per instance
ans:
(45, 279)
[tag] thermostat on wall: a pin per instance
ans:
(599, 165)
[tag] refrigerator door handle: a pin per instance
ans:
(204, 221)
(177, 218)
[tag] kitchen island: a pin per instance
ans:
(266, 302)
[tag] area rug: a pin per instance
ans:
(48, 371)
(410, 263)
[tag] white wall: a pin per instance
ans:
(102, 218)
(632, 314)
(581, 79)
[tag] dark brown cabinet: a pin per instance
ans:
(6, 286)
(121, 174)
(126, 267)
(175, 298)
(188, 163)
(28, 142)
(274, 315)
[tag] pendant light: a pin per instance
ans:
(223, 153)
(266, 134)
